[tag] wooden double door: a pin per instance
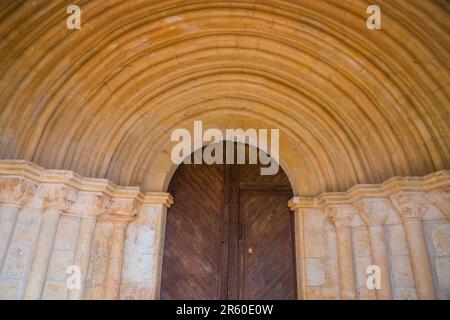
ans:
(229, 235)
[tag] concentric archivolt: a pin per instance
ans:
(352, 105)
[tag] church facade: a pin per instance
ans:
(354, 101)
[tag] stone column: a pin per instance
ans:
(121, 212)
(341, 217)
(299, 223)
(87, 206)
(114, 273)
(15, 193)
(412, 206)
(375, 213)
(300, 254)
(55, 200)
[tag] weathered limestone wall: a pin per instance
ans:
(53, 219)
(402, 226)
(141, 277)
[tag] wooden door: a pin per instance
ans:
(267, 261)
(229, 235)
(192, 262)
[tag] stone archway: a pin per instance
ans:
(360, 112)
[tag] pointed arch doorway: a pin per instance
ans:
(229, 234)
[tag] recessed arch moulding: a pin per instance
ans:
(353, 106)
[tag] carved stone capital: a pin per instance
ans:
(441, 199)
(89, 204)
(57, 197)
(411, 205)
(340, 216)
(120, 210)
(374, 211)
(16, 191)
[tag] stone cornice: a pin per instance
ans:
(436, 180)
(156, 198)
(41, 177)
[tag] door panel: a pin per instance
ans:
(193, 240)
(267, 246)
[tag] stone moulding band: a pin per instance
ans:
(26, 170)
(433, 181)
(21, 169)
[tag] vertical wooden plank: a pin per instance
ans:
(225, 248)
(233, 266)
